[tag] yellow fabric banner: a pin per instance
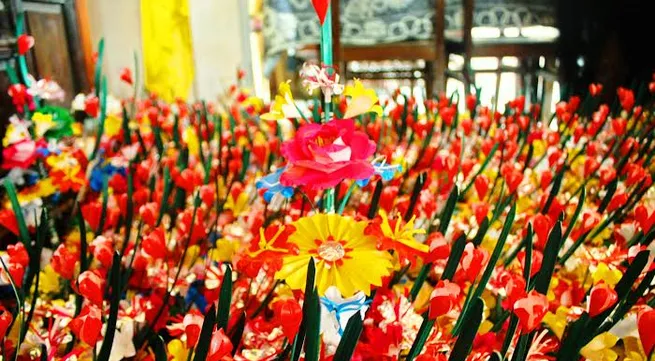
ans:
(167, 47)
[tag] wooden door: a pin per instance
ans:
(57, 53)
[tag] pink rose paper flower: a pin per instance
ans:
(322, 155)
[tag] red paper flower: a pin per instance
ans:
(91, 286)
(266, 250)
(103, 250)
(126, 76)
(63, 261)
(444, 298)
(5, 321)
(18, 254)
(87, 325)
(154, 244)
(322, 155)
(531, 310)
(645, 324)
(192, 325)
(8, 220)
(219, 346)
(601, 298)
(24, 43)
(288, 314)
(21, 154)
(473, 261)
(21, 97)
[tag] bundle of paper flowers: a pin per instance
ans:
(350, 230)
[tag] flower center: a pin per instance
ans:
(331, 251)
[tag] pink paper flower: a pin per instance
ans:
(20, 155)
(322, 155)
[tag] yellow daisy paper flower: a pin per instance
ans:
(344, 255)
(362, 100)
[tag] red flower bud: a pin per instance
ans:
(91, 286)
(444, 298)
(601, 298)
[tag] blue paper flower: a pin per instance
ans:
(271, 184)
(384, 170)
(101, 171)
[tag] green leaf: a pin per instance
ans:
(495, 356)
(416, 191)
(158, 348)
(472, 322)
(527, 267)
(309, 288)
(455, 256)
(18, 212)
(542, 279)
(373, 208)
(421, 337)
(349, 339)
(482, 231)
(115, 277)
(557, 183)
(509, 335)
(202, 349)
(447, 213)
(236, 333)
(611, 188)
(98, 70)
(225, 299)
(576, 214)
(101, 120)
(105, 199)
(313, 316)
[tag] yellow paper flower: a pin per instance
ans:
(402, 236)
(283, 107)
(48, 281)
(600, 348)
(112, 125)
(224, 250)
(238, 205)
(633, 349)
(177, 350)
(362, 100)
(42, 123)
(344, 256)
(607, 275)
(191, 139)
(557, 322)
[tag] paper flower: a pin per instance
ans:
(362, 100)
(283, 106)
(396, 235)
(531, 310)
(271, 186)
(22, 154)
(345, 257)
(321, 77)
(444, 298)
(336, 311)
(384, 170)
(267, 250)
(46, 89)
(322, 155)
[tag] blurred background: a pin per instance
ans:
(194, 49)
